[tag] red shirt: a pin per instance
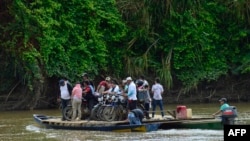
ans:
(105, 84)
(87, 89)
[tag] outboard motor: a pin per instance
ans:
(229, 115)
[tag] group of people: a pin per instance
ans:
(75, 94)
(139, 91)
(133, 91)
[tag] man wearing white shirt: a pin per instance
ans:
(157, 90)
(114, 88)
(65, 92)
(131, 94)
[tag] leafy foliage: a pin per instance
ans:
(64, 38)
(194, 41)
(186, 41)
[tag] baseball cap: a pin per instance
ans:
(84, 74)
(139, 83)
(61, 82)
(128, 78)
(223, 99)
(124, 81)
(107, 78)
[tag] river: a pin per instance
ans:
(19, 125)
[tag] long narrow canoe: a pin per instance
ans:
(212, 124)
(123, 126)
(116, 126)
(203, 124)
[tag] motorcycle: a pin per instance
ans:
(111, 107)
(68, 111)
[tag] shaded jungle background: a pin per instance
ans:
(199, 48)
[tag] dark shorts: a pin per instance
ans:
(132, 104)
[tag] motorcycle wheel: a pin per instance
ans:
(68, 113)
(94, 113)
(109, 113)
(100, 113)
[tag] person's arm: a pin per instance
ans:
(70, 88)
(216, 113)
(86, 90)
(98, 87)
(141, 88)
(162, 90)
(73, 93)
(152, 89)
(107, 91)
(59, 96)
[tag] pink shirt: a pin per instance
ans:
(77, 91)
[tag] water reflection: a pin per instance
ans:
(18, 125)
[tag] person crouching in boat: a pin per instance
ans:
(77, 101)
(135, 117)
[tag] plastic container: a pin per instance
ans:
(189, 113)
(181, 112)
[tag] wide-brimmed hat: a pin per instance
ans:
(223, 99)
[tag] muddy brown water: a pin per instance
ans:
(20, 125)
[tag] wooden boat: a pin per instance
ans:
(188, 122)
(196, 123)
(214, 124)
(123, 126)
(115, 126)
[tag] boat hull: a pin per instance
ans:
(211, 124)
(55, 123)
(123, 126)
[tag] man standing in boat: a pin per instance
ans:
(88, 95)
(65, 92)
(143, 95)
(131, 94)
(157, 90)
(85, 77)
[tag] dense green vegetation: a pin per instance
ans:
(185, 42)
